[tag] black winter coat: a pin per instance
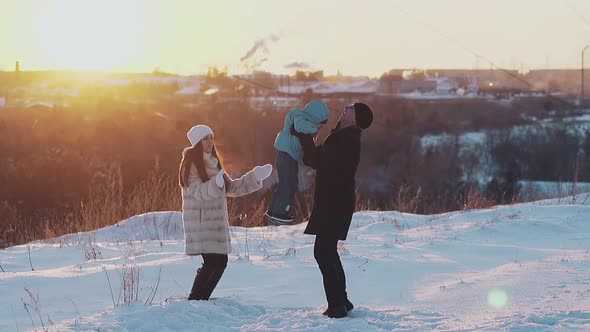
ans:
(335, 162)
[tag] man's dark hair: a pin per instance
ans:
(363, 115)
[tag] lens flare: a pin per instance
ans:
(497, 298)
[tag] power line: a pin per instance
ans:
(576, 11)
(480, 56)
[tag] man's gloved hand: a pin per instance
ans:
(296, 133)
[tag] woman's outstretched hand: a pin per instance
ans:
(219, 178)
(262, 172)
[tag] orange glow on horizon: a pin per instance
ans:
(188, 36)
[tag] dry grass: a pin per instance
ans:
(474, 199)
(157, 192)
(106, 206)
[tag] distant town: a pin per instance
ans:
(267, 91)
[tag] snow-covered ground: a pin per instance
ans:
(474, 146)
(438, 95)
(467, 140)
(550, 189)
(523, 267)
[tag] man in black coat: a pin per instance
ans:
(335, 162)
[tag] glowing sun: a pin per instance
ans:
(101, 35)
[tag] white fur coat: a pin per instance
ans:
(204, 209)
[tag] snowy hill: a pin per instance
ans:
(521, 267)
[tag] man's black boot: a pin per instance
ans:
(336, 312)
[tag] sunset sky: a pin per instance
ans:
(357, 38)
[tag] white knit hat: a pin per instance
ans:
(196, 134)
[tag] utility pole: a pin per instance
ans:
(582, 78)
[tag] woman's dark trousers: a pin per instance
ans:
(208, 276)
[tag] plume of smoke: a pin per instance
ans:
(297, 65)
(261, 44)
(259, 63)
(275, 37)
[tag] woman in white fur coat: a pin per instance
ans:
(205, 188)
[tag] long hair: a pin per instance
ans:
(194, 156)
